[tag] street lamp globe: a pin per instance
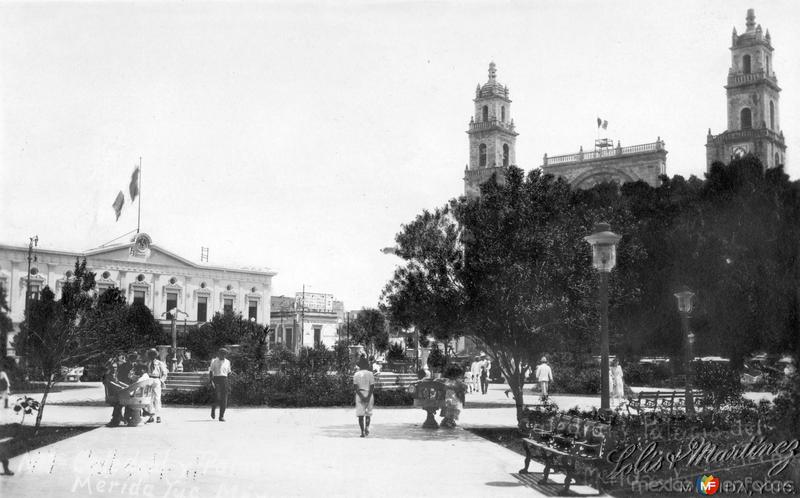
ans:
(604, 247)
(685, 299)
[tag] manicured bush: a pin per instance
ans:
(719, 379)
(202, 396)
(393, 397)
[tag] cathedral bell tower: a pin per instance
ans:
(491, 135)
(753, 93)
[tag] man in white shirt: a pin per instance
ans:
(364, 386)
(218, 372)
(157, 370)
(544, 376)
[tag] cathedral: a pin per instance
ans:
(753, 128)
(753, 91)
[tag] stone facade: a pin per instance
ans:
(645, 162)
(161, 279)
(492, 138)
(753, 96)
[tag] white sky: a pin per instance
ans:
(301, 136)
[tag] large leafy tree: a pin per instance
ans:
(514, 269)
(370, 330)
(78, 329)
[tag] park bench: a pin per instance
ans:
(394, 380)
(133, 398)
(665, 402)
(564, 443)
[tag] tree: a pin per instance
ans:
(514, 269)
(370, 331)
(77, 329)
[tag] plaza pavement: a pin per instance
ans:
(273, 452)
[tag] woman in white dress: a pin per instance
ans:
(617, 384)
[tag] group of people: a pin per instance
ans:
(477, 376)
(132, 369)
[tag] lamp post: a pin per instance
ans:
(685, 305)
(173, 315)
(604, 259)
(32, 245)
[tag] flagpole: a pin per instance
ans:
(139, 215)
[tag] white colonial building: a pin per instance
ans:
(145, 273)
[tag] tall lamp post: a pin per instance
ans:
(32, 245)
(173, 316)
(604, 259)
(685, 299)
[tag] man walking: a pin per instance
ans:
(218, 372)
(364, 386)
(544, 376)
(157, 370)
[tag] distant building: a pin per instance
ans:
(645, 162)
(752, 93)
(296, 326)
(492, 138)
(145, 273)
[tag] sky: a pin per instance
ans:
(301, 136)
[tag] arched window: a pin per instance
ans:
(485, 113)
(777, 160)
(746, 64)
(767, 65)
(746, 119)
(503, 114)
(771, 115)
(505, 154)
(482, 155)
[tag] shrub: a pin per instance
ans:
(201, 396)
(394, 397)
(647, 374)
(396, 352)
(720, 380)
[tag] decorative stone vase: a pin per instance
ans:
(429, 395)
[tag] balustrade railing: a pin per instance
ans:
(603, 153)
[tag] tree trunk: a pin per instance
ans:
(40, 412)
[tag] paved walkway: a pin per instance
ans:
(273, 452)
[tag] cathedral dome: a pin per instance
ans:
(492, 88)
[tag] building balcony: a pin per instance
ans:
(612, 152)
(739, 135)
(735, 79)
(493, 124)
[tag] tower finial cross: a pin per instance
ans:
(492, 71)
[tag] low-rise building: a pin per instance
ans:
(305, 320)
(145, 273)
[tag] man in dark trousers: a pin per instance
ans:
(218, 372)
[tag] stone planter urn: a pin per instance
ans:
(429, 395)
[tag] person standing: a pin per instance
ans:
(544, 376)
(618, 390)
(157, 370)
(364, 387)
(218, 372)
(484, 380)
(5, 386)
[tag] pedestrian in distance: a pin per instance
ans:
(364, 388)
(157, 370)
(617, 384)
(544, 376)
(5, 386)
(218, 373)
(484, 380)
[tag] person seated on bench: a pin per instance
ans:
(111, 376)
(454, 396)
